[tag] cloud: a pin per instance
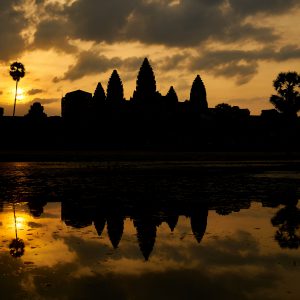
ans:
(53, 34)
(90, 63)
(44, 101)
(240, 64)
(12, 22)
(189, 23)
(34, 92)
(250, 7)
(1, 92)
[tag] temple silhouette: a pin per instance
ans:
(148, 120)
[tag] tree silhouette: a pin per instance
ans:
(36, 111)
(17, 71)
(287, 220)
(287, 100)
(223, 108)
(115, 92)
(145, 85)
(198, 95)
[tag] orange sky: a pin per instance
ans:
(237, 47)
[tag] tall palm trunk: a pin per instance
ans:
(16, 93)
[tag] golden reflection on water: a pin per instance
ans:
(239, 245)
(47, 237)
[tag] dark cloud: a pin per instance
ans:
(44, 101)
(185, 24)
(250, 7)
(35, 225)
(12, 22)
(100, 20)
(172, 62)
(242, 65)
(239, 64)
(189, 23)
(1, 92)
(89, 63)
(34, 92)
(53, 34)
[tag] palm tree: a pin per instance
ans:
(17, 71)
(287, 100)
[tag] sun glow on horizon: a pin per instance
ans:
(20, 94)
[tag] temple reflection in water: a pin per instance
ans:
(79, 215)
(218, 231)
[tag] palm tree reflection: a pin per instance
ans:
(287, 220)
(17, 245)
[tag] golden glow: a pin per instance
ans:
(20, 221)
(246, 235)
(20, 93)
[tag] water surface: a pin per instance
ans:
(150, 231)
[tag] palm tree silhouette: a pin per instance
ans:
(16, 246)
(17, 71)
(287, 100)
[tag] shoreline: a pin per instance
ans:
(144, 155)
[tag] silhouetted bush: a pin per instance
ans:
(36, 112)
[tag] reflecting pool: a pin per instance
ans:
(142, 231)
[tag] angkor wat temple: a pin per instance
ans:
(148, 120)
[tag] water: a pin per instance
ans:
(134, 230)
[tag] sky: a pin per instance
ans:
(237, 47)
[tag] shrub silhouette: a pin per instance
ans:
(36, 111)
